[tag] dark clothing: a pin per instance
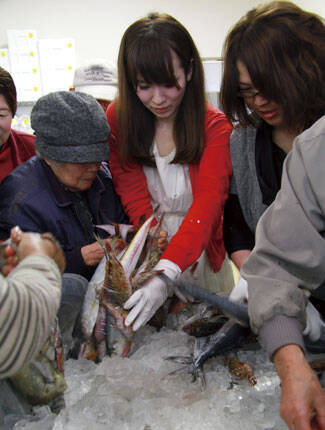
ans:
(236, 233)
(33, 198)
(269, 160)
(267, 167)
(18, 149)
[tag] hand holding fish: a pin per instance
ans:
(92, 254)
(146, 300)
(162, 242)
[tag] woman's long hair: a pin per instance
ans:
(283, 49)
(146, 51)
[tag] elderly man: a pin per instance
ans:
(67, 188)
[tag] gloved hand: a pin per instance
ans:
(240, 291)
(151, 296)
(314, 324)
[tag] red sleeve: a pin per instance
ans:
(210, 184)
(129, 181)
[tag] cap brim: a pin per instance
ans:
(65, 153)
(102, 92)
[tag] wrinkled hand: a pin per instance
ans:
(240, 291)
(92, 254)
(314, 323)
(302, 394)
(145, 302)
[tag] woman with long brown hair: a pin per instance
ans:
(169, 150)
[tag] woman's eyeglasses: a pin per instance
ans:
(248, 94)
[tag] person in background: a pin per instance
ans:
(288, 260)
(15, 146)
(170, 153)
(97, 78)
(273, 88)
(66, 189)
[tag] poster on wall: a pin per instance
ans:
(57, 61)
(4, 59)
(24, 64)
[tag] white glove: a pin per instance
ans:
(314, 324)
(151, 296)
(240, 291)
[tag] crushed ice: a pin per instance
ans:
(138, 393)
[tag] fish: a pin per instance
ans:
(115, 229)
(118, 282)
(152, 253)
(115, 279)
(206, 322)
(233, 310)
(93, 294)
(92, 298)
(229, 337)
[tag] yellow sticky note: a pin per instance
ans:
(30, 35)
(69, 45)
(69, 67)
(31, 54)
(35, 89)
(26, 121)
(3, 54)
(34, 70)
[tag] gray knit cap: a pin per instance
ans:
(70, 127)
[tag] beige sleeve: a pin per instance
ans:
(289, 253)
(29, 300)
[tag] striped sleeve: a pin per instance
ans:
(29, 300)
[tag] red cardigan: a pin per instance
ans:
(202, 226)
(18, 149)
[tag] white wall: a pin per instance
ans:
(98, 25)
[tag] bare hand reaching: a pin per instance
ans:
(303, 399)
